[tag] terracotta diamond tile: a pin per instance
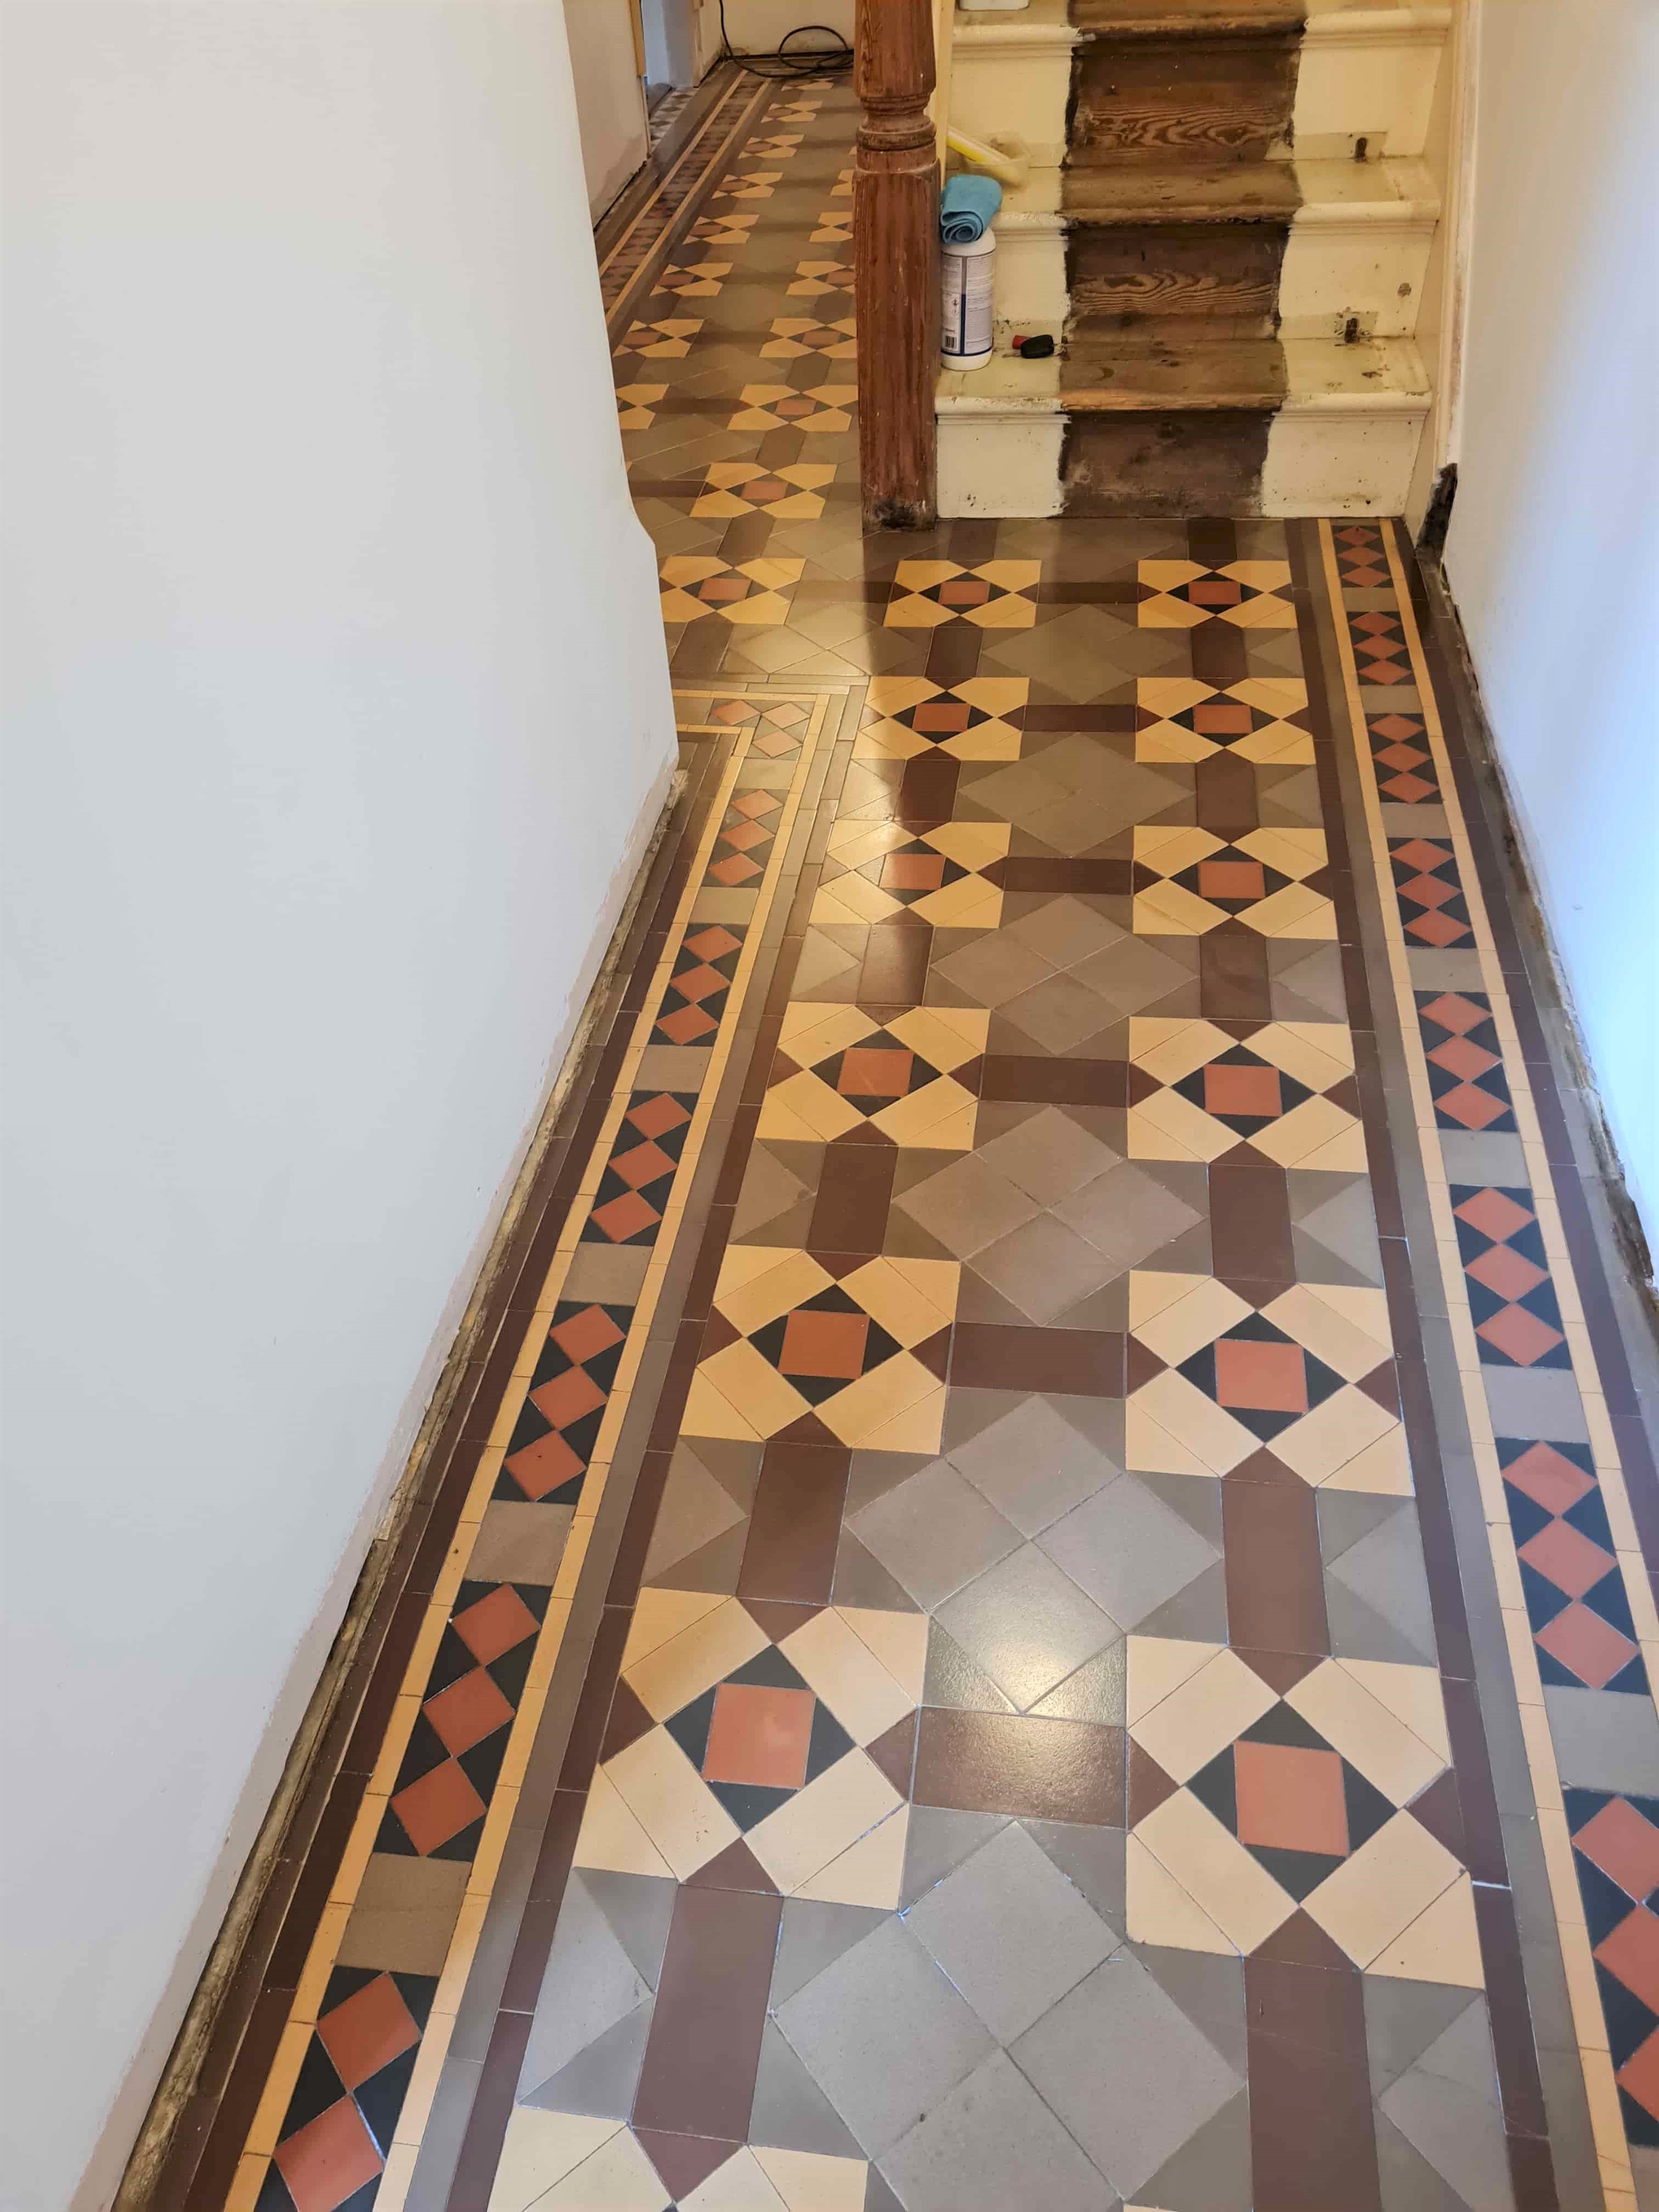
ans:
(494, 1624)
(1589, 1646)
(436, 1808)
(1567, 1559)
(1506, 1273)
(1493, 1213)
(467, 1711)
(1548, 1477)
(1624, 1845)
(328, 2159)
(1519, 1335)
(1631, 1952)
(371, 2028)
(1639, 2076)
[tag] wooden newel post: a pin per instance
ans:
(896, 261)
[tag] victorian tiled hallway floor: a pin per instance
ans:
(1044, 1602)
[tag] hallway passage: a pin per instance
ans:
(1043, 1603)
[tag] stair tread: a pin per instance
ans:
(1178, 19)
(1219, 192)
(1182, 374)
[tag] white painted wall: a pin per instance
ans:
(1554, 553)
(337, 716)
(757, 26)
(610, 102)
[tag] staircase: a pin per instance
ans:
(1228, 226)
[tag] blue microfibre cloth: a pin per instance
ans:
(966, 207)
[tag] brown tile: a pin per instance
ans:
(1232, 974)
(928, 790)
(1275, 1577)
(1483, 1832)
(1081, 1362)
(1225, 788)
(698, 2077)
(1532, 2174)
(492, 2105)
(855, 1189)
(1250, 1225)
(1148, 1785)
(895, 958)
(1219, 655)
(1312, 2143)
(1036, 872)
(588, 1729)
(1035, 1080)
(1016, 1763)
(953, 653)
(895, 1752)
(796, 1524)
(684, 2162)
(735, 1868)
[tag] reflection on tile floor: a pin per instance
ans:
(1035, 1745)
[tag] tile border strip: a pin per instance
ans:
(1528, 2132)
(296, 2040)
(1589, 2026)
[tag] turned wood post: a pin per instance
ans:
(896, 261)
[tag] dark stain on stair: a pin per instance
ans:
(1179, 217)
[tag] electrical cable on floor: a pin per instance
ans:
(782, 63)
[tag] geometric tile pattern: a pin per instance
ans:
(750, 1733)
(1516, 1319)
(979, 719)
(860, 1354)
(1616, 1847)
(1188, 881)
(1256, 720)
(1465, 1061)
(1213, 1380)
(1570, 1573)
(838, 1069)
(1249, 595)
(1285, 1091)
(336, 2133)
(1426, 882)
(1012, 1765)
(1297, 1807)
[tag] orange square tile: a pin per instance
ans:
(329, 2158)
(1289, 1798)
(759, 1734)
(368, 2031)
(1625, 1847)
(494, 1624)
(1631, 1952)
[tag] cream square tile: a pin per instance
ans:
(1167, 1127)
(1158, 1665)
(821, 1821)
(1382, 1468)
(737, 1393)
(1170, 1427)
(897, 1407)
(1294, 911)
(1169, 1049)
(1294, 853)
(810, 1031)
(1170, 849)
(539, 2149)
(759, 1282)
(1322, 1442)
(1317, 1134)
(899, 1640)
(1441, 1945)
(1201, 1716)
(610, 1837)
(912, 1300)
(618, 2176)
(673, 1673)
(803, 1110)
(945, 1036)
(671, 1803)
(1347, 1327)
(1224, 1881)
(870, 1871)
(662, 1614)
(1374, 1897)
(809, 2181)
(1167, 910)
(739, 2185)
(940, 1117)
(1317, 1054)
(1159, 1911)
(1375, 1736)
(1175, 1315)
(847, 1675)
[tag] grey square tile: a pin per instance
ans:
(1065, 930)
(1033, 1465)
(1058, 1013)
(1048, 1156)
(994, 968)
(1027, 1624)
(1126, 2070)
(1126, 1214)
(1605, 1739)
(1133, 976)
(590, 1984)
(1127, 1550)
(934, 1533)
(884, 2035)
(967, 1206)
(1042, 1269)
(520, 1543)
(1535, 1401)
(993, 2144)
(1012, 1932)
